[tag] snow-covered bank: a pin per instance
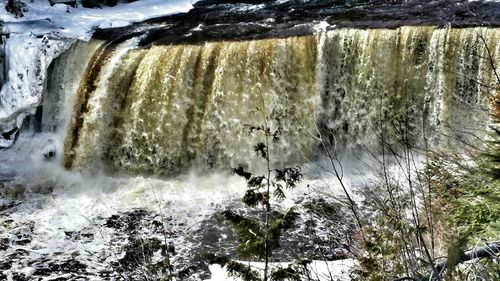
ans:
(27, 60)
(42, 34)
(66, 22)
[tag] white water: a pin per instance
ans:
(56, 201)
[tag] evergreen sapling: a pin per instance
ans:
(258, 238)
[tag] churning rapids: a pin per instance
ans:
(113, 143)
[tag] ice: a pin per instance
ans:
(67, 22)
(28, 58)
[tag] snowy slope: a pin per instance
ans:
(43, 33)
(67, 22)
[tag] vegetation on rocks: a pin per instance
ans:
(444, 224)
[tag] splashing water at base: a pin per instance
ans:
(56, 216)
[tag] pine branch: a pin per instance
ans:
(240, 171)
(235, 269)
(288, 273)
(252, 198)
(250, 235)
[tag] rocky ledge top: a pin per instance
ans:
(211, 20)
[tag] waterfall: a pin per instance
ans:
(166, 108)
(431, 82)
(161, 109)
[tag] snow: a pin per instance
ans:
(319, 270)
(66, 22)
(27, 61)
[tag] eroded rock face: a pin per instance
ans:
(212, 20)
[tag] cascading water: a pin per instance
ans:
(163, 109)
(167, 108)
(433, 80)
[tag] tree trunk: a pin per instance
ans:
(490, 251)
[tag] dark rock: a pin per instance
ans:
(113, 222)
(320, 233)
(98, 3)
(4, 244)
(211, 20)
(16, 276)
(79, 235)
(22, 242)
(90, 3)
(16, 7)
(6, 204)
(127, 221)
(7, 222)
(139, 252)
(67, 266)
(5, 265)
(142, 242)
(49, 155)
(9, 135)
(42, 271)
(19, 253)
